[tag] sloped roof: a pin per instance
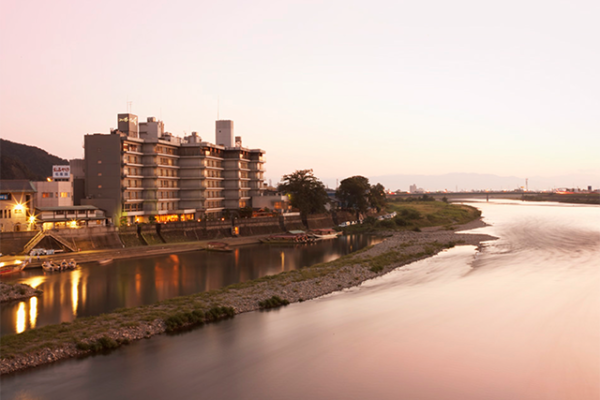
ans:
(17, 186)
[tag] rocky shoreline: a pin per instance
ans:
(18, 291)
(399, 249)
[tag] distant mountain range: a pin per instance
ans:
(467, 182)
(20, 161)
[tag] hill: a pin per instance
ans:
(20, 161)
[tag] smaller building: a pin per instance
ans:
(69, 217)
(274, 202)
(53, 194)
(16, 197)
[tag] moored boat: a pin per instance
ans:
(292, 237)
(16, 266)
(322, 234)
(64, 265)
(218, 246)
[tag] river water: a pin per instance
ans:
(518, 320)
(94, 289)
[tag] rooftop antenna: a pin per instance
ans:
(218, 106)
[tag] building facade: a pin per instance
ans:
(140, 173)
(53, 193)
(16, 205)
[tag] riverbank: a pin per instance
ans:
(87, 335)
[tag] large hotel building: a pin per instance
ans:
(140, 173)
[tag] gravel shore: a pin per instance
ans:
(399, 249)
(18, 291)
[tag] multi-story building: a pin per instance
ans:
(140, 173)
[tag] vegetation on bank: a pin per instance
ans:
(414, 215)
(574, 198)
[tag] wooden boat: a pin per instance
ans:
(49, 266)
(16, 266)
(218, 246)
(322, 234)
(292, 237)
(64, 265)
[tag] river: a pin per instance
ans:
(518, 320)
(94, 289)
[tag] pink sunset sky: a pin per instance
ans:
(343, 87)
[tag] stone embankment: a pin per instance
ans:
(122, 327)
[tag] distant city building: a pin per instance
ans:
(144, 174)
(415, 189)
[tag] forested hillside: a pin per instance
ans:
(20, 161)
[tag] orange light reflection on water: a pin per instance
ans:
(33, 311)
(76, 277)
(21, 317)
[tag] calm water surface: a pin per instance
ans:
(95, 289)
(518, 320)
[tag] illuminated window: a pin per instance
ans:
(99, 161)
(64, 194)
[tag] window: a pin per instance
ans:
(64, 195)
(99, 173)
(99, 161)
(99, 186)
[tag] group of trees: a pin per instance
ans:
(307, 193)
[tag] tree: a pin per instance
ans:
(306, 192)
(377, 197)
(353, 193)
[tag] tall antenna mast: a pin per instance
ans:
(218, 106)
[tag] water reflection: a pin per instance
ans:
(20, 327)
(74, 290)
(93, 289)
(33, 311)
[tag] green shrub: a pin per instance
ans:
(410, 213)
(273, 302)
(401, 221)
(387, 223)
(107, 343)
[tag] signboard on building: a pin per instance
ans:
(61, 171)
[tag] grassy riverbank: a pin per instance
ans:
(92, 334)
(415, 215)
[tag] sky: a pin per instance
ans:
(344, 88)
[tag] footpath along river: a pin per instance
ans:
(94, 289)
(519, 319)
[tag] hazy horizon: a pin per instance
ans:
(343, 88)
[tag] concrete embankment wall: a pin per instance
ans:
(320, 221)
(130, 237)
(179, 232)
(293, 222)
(149, 234)
(13, 242)
(108, 237)
(259, 226)
(96, 238)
